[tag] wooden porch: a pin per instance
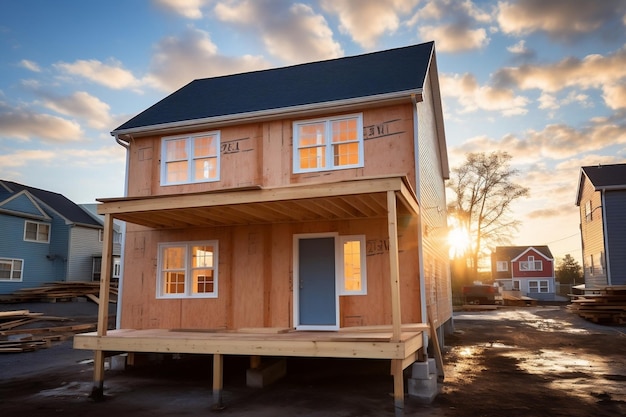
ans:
(386, 197)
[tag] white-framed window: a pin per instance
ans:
(588, 211)
(187, 269)
(11, 269)
(538, 286)
(36, 232)
(190, 159)
(352, 274)
(531, 265)
(328, 144)
(502, 266)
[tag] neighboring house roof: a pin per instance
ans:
(603, 177)
(57, 202)
(92, 209)
(378, 75)
(513, 252)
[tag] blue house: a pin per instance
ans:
(601, 198)
(44, 237)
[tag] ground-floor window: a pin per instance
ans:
(11, 269)
(353, 277)
(187, 269)
(538, 286)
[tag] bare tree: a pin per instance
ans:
(484, 192)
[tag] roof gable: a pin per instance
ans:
(23, 204)
(387, 72)
(602, 177)
(57, 202)
(513, 253)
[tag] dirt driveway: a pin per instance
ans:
(540, 361)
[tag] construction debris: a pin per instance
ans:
(21, 331)
(60, 291)
(600, 304)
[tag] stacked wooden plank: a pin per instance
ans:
(22, 331)
(60, 291)
(601, 304)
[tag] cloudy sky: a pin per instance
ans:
(543, 80)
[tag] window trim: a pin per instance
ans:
(190, 158)
(12, 261)
(36, 240)
(160, 294)
(539, 287)
(341, 239)
(330, 166)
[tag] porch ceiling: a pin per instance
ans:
(361, 198)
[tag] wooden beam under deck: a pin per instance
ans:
(344, 344)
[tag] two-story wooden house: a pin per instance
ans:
(527, 269)
(287, 212)
(601, 198)
(44, 237)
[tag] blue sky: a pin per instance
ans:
(542, 80)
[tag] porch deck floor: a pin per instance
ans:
(373, 342)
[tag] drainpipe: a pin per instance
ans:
(420, 248)
(118, 315)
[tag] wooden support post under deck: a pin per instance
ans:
(394, 275)
(103, 306)
(218, 381)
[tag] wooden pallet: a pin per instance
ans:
(601, 304)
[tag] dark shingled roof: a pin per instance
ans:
(606, 175)
(385, 72)
(512, 252)
(55, 201)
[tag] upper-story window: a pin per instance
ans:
(502, 266)
(328, 144)
(190, 159)
(588, 211)
(531, 265)
(37, 232)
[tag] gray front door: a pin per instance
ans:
(317, 298)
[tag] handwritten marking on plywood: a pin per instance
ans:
(380, 130)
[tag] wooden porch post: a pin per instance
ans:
(218, 381)
(396, 316)
(103, 306)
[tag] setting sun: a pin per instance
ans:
(458, 241)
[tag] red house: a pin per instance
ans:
(528, 269)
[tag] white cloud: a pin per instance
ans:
(20, 158)
(191, 9)
(30, 65)
(615, 95)
(111, 75)
(179, 60)
(472, 96)
(24, 124)
(455, 37)
(365, 22)
(561, 19)
(82, 104)
(290, 31)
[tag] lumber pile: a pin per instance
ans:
(601, 304)
(24, 331)
(515, 298)
(60, 291)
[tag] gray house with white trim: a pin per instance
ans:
(601, 198)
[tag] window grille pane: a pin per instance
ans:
(352, 265)
(176, 171)
(312, 158)
(176, 150)
(204, 146)
(345, 130)
(173, 258)
(202, 257)
(203, 281)
(43, 231)
(346, 154)
(174, 282)
(31, 231)
(205, 168)
(312, 135)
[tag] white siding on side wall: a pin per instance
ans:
(84, 245)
